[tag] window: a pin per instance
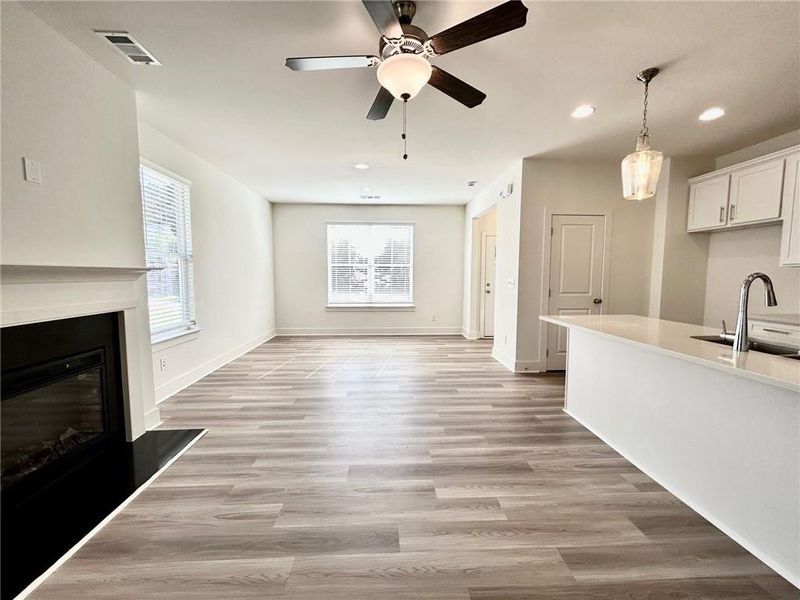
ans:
(370, 263)
(168, 247)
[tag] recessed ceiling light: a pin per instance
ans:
(361, 166)
(712, 113)
(583, 111)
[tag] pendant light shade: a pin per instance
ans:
(641, 169)
(404, 74)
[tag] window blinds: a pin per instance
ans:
(168, 247)
(370, 263)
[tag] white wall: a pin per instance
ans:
(507, 221)
(65, 110)
(233, 269)
(781, 142)
(732, 255)
(579, 187)
(301, 286)
(679, 259)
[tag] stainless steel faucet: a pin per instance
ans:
(741, 343)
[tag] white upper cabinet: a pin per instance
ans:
(708, 203)
(790, 238)
(755, 194)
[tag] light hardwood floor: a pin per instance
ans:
(402, 468)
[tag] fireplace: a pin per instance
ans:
(66, 462)
(61, 400)
(50, 412)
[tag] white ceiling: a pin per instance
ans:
(224, 93)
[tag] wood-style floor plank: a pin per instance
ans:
(406, 468)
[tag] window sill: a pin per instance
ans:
(371, 307)
(168, 339)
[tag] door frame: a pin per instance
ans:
(547, 241)
(482, 298)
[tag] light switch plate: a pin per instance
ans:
(33, 171)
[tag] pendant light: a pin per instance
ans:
(640, 169)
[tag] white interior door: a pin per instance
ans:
(488, 261)
(577, 244)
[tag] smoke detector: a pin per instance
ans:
(129, 47)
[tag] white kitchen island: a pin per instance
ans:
(722, 434)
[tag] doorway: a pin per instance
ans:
(577, 257)
(488, 264)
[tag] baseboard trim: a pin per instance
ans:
(516, 366)
(503, 359)
(351, 331)
(152, 418)
(470, 335)
(699, 510)
(175, 385)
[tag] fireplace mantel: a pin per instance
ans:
(37, 293)
(16, 273)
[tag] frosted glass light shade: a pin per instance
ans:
(404, 74)
(640, 171)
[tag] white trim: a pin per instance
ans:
(545, 283)
(482, 285)
(175, 385)
(166, 172)
(173, 337)
(470, 335)
(747, 163)
(313, 331)
(503, 358)
(39, 580)
(517, 366)
(699, 510)
(152, 418)
(370, 307)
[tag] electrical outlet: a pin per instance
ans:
(162, 363)
(433, 318)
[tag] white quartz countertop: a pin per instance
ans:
(674, 339)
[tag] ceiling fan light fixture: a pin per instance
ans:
(404, 75)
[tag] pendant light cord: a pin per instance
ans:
(645, 130)
(405, 141)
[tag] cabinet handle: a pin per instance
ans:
(775, 330)
(733, 212)
(721, 214)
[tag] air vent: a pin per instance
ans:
(129, 47)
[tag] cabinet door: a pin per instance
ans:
(708, 204)
(790, 237)
(756, 193)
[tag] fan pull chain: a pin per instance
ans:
(405, 141)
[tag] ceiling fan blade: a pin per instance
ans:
(496, 21)
(384, 16)
(383, 101)
(455, 88)
(320, 63)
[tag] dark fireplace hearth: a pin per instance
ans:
(66, 464)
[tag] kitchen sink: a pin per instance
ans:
(774, 349)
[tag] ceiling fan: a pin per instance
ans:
(405, 49)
